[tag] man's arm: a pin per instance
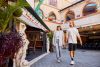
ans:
(79, 38)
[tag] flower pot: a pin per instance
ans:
(50, 19)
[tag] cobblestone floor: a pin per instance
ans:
(84, 58)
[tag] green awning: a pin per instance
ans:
(37, 17)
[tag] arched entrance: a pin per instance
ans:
(69, 15)
(52, 16)
(89, 9)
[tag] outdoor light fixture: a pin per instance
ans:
(94, 32)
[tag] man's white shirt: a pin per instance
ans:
(72, 35)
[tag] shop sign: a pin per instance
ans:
(31, 20)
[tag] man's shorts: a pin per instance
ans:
(72, 46)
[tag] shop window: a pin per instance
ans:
(70, 15)
(53, 2)
(89, 9)
(37, 39)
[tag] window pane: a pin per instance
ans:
(53, 2)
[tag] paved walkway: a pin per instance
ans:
(84, 58)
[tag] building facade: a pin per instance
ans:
(60, 11)
(33, 32)
(85, 13)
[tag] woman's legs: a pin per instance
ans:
(58, 53)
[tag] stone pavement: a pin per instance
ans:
(84, 58)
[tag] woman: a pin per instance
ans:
(58, 42)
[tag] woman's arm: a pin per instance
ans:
(66, 36)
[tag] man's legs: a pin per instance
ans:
(72, 48)
(72, 54)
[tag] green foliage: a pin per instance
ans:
(50, 35)
(3, 3)
(9, 11)
(18, 12)
(10, 42)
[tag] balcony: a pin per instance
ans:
(92, 19)
(88, 20)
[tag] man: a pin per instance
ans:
(72, 35)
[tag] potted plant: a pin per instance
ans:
(10, 39)
(50, 36)
(50, 18)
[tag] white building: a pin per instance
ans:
(79, 10)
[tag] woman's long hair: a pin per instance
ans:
(58, 28)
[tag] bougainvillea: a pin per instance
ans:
(10, 43)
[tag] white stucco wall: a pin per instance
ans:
(48, 9)
(77, 9)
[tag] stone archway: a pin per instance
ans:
(52, 16)
(70, 15)
(89, 8)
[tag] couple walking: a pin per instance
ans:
(71, 36)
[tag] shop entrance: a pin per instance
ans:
(91, 37)
(37, 45)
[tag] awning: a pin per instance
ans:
(32, 19)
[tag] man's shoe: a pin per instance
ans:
(58, 61)
(72, 63)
